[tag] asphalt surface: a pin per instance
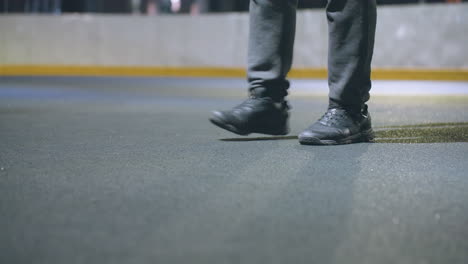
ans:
(129, 170)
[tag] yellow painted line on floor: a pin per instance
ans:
(312, 73)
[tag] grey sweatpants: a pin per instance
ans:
(351, 31)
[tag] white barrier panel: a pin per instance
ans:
(422, 36)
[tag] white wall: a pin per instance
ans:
(427, 36)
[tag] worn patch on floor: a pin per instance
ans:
(423, 133)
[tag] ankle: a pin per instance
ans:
(352, 108)
(274, 90)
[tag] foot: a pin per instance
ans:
(339, 126)
(255, 115)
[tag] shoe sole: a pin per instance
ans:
(235, 130)
(365, 136)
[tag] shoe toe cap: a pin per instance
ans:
(308, 134)
(318, 134)
(217, 115)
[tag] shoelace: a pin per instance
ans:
(332, 116)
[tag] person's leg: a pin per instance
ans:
(351, 25)
(351, 42)
(271, 39)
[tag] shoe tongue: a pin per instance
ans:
(339, 110)
(352, 109)
(336, 110)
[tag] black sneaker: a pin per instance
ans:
(255, 115)
(339, 126)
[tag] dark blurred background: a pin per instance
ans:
(154, 7)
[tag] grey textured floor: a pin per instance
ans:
(110, 170)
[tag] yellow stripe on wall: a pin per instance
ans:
(312, 73)
(69, 70)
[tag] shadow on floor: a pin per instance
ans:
(267, 138)
(420, 133)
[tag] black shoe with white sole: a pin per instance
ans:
(339, 126)
(255, 115)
